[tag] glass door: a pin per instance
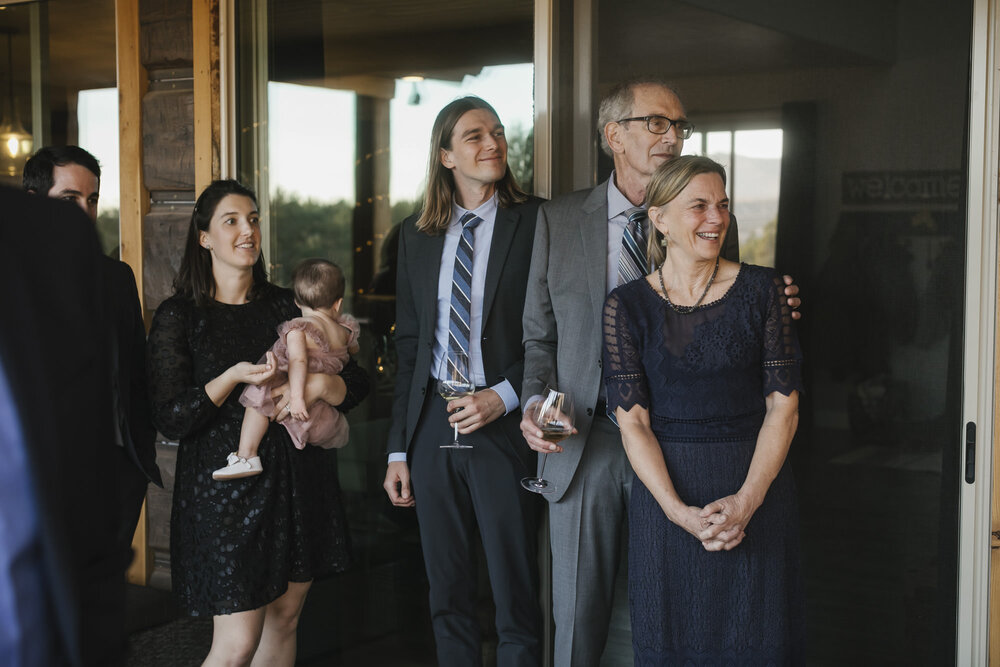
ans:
(871, 105)
(336, 104)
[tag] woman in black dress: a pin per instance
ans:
(702, 371)
(247, 551)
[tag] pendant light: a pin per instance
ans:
(15, 142)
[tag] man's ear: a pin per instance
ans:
(612, 133)
(446, 159)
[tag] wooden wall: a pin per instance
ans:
(168, 169)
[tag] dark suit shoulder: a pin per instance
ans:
(408, 227)
(119, 269)
(528, 208)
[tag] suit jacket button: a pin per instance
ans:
(600, 363)
(423, 390)
(590, 412)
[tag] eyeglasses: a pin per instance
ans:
(662, 125)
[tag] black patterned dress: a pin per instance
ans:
(703, 376)
(235, 545)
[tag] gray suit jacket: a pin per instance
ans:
(562, 312)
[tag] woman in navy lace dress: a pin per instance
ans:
(244, 552)
(702, 370)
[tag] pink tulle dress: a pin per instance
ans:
(326, 427)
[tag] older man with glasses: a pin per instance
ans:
(586, 244)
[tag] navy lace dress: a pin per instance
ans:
(703, 376)
(235, 545)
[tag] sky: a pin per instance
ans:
(749, 143)
(311, 132)
(97, 117)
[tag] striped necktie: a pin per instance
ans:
(461, 285)
(632, 260)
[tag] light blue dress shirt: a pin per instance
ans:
(618, 205)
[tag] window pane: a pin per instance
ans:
(97, 118)
(311, 171)
(347, 144)
(756, 179)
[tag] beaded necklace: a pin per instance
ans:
(684, 310)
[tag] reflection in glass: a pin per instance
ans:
(336, 139)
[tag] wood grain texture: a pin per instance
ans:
(134, 199)
(994, 596)
(207, 120)
(132, 83)
(142, 562)
(158, 506)
(165, 229)
(166, 33)
(168, 138)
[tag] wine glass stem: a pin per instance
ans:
(456, 432)
(541, 470)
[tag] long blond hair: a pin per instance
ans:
(669, 179)
(436, 214)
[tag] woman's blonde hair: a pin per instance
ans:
(669, 179)
(436, 214)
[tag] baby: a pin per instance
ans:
(318, 342)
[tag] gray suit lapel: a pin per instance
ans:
(594, 229)
(503, 235)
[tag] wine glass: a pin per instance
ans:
(455, 381)
(554, 415)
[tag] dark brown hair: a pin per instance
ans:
(194, 279)
(318, 283)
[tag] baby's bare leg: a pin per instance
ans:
(254, 428)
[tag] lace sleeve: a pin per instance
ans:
(180, 406)
(624, 375)
(782, 357)
(356, 379)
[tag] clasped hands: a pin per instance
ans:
(720, 525)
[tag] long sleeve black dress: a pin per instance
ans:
(235, 545)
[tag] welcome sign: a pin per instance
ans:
(902, 187)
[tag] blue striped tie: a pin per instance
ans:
(632, 260)
(461, 285)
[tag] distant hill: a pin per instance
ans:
(757, 182)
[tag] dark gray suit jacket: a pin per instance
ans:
(130, 348)
(55, 353)
(416, 311)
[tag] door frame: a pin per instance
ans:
(980, 358)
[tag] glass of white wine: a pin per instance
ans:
(554, 415)
(455, 381)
